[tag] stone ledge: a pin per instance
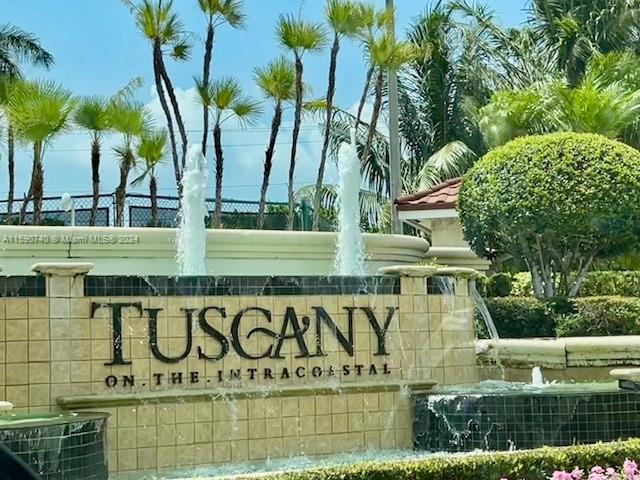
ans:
(62, 269)
(168, 396)
(408, 270)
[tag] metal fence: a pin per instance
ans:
(137, 212)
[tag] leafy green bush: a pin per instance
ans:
(548, 199)
(601, 316)
(499, 285)
(521, 317)
(536, 464)
(624, 283)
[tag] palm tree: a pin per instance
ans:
(161, 26)
(92, 115)
(39, 111)
(278, 83)
(151, 149)
(225, 100)
(16, 46)
(346, 21)
(218, 13)
(131, 120)
(299, 37)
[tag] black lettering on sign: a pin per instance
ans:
(117, 357)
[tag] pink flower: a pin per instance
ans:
(577, 473)
(611, 472)
(561, 475)
(629, 469)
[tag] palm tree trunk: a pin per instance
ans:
(331, 89)
(153, 194)
(95, 178)
(217, 144)
(206, 71)
(11, 168)
(121, 190)
(38, 183)
(294, 145)
(377, 105)
(363, 98)
(268, 163)
(176, 110)
(157, 55)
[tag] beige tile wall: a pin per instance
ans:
(50, 348)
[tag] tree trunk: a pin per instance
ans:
(206, 71)
(294, 145)
(121, 190)
(157, 55)
(38, 183)
(95, 177)
(377, 105)
(331, 89)
(11, 168)
(363, 98)
(153, 194)
(217, 144)
(268, 163)
(176, 110)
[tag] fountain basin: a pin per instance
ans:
(69, 446)
(505, 416)
(151, 251)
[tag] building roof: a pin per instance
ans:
(443, 196)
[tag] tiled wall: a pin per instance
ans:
(51, 348)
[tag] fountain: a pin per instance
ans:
(192, 235)
(350, 255)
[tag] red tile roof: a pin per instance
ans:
(440, 197)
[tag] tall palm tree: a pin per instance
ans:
(300, 37)
(162, 27)
(346, 21)
(151, 149)
(92, 115)
(16, 46)
(218, 13)
(131, 120)
(39, 111)
(225, 100)
(278, 83)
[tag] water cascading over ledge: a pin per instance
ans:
(203, 376)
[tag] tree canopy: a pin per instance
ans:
(559, 201)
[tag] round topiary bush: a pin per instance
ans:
(559, 201)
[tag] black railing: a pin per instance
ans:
(137, 212)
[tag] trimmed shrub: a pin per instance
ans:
(536, 464)
(594, 316)
(624, 283)
(499, 285)
(521, 285)
(521, 317)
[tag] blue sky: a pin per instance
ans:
(98, 49)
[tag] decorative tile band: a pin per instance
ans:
(22, 286)
(103, 286)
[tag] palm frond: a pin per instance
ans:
(299, 35)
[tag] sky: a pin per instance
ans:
(97, 50)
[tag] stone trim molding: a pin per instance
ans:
(169, 396)
(561, 353)
(62, 269)
(409, 270)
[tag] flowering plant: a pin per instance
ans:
(628, 471)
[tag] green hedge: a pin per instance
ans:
(597, 283)
(536, 464)
(523, 317)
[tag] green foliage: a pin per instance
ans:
(277, 80)
(597, 283)
(538, 464)
(596, 316)
(548, 199)
(499, 285)
(521, 317)
(300, 36)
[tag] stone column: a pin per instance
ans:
(69, 340)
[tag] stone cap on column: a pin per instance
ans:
(457, 272)
(62, 269)
(409, 270)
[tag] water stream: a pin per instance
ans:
(192, 235)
